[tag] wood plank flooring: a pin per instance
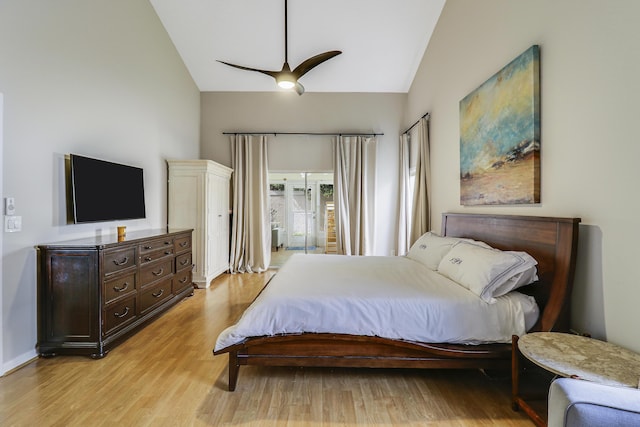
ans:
(166, 375)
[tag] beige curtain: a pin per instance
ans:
(421, 209)
(250, 230)
(405, 197)
(354, 189)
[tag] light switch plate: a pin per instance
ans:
(12, 223)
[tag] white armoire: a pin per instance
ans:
(198, 198)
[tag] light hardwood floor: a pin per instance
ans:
(166, 375)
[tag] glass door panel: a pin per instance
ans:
(302, 211)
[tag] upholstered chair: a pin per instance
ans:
(579, 403)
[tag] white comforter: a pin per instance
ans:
(390, 297)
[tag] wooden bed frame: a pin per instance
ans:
(551, 241)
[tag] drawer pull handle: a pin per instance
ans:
(184, 244)
(159, 272)
(148, 247)
(123, 262)
(158, 294)
(185, 262)
(126, 311)
(184, 279)
(167, 243)
(168, 252)
(125, 287)
(148, 258)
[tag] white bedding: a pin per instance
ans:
(390, 297)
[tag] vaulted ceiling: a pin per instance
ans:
(382, 41)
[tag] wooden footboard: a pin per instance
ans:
(551, 241)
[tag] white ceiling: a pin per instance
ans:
(382, 41)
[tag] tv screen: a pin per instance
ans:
(105, 191)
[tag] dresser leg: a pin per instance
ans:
(47, 355)
(99, 355)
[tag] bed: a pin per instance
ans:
(551, 241)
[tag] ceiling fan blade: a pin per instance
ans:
(298, 88)
(267, 72)
(314, 61)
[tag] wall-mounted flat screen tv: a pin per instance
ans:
(105, 191)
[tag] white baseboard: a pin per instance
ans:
(19, 361)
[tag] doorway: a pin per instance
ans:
(298, 206)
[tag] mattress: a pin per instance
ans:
(389, 297)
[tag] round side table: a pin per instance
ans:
(575, 356)
(568, 355)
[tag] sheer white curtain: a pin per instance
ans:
(354, 189)
(405, 197)
(421, 209)
(250, 230)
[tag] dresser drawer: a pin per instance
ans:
(182, 280)
(118, 315)
(156, 271)
(183, 262)
(118, 260)
(156, 255)
(119, 287)
(154, 245)
(182, 244)
(155, 295)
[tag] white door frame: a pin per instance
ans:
(2, 372)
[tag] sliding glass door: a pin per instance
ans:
(299, 203)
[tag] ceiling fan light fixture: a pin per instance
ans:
(285, 79)
(286, 84)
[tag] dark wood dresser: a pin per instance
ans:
(94, 293)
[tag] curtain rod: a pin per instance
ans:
(415, 123)
(305, 133)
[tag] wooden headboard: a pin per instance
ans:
(553, 242)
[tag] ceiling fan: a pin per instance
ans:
(286, 78)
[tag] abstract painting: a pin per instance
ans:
(500, 136)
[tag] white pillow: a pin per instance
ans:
(487, 272)
(430, 248)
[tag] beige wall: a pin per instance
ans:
(98, 78)
(312, 112)
(590, 63)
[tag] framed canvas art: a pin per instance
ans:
(500, 136)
